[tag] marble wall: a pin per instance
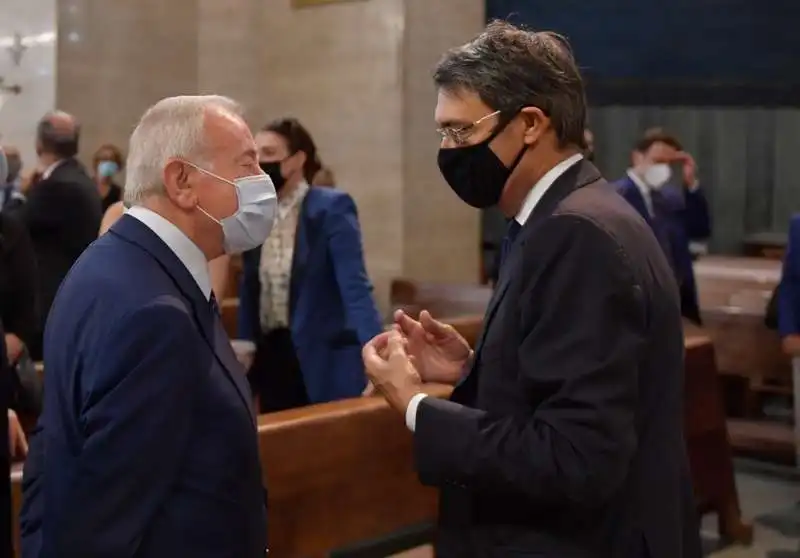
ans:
(27, 60)
(356, 73)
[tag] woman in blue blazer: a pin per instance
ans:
(305, 299)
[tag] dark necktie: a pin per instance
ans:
(508, 240)
(212, 302)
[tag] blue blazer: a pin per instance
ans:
(789, 287)
(148, 428)
(331, 310)
(670, 227)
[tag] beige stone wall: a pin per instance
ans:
(357, 74)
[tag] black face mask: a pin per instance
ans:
(273, 170)
(475, 173)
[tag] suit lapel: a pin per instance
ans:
(140, 234)
(227, 358)
(577, 176)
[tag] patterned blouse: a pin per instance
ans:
(276, 262)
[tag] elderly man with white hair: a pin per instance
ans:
(148, 427)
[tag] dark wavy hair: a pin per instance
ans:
(298, 139)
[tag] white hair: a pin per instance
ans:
(172, 128)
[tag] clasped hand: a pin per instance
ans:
(413, 352)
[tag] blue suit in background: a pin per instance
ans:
(789, 288)
(147, 444)
(331, 310)
(671, 224)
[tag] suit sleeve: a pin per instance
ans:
(347, 255)
(22, 313)
(789, 287)
(582, 330)
(697, 217)
(136, 419)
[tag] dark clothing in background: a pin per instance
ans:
(275, 374)
(62, 213)
(113, 196)
(17, 279)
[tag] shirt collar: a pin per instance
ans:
(187, 251)
(49, 170)
(289, 202)
(640, 185)
(541, 187)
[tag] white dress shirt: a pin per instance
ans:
(534, 197)
(644, 190)
(187, 251)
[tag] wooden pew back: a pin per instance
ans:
(442, 300)
(339, 474)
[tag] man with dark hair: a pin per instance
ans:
(676, 217)
(62, 211)
(563, 435)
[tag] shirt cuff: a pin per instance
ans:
(411, 410)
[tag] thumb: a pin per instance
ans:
(435, 328)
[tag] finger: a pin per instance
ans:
(369, 390)
(433, 327)
(397, 344)
(380, 341)
(407, 324)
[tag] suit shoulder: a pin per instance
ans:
(602, 205)
(794, 223)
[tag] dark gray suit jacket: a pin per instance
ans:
(566, 437)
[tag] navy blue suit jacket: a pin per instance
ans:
(672, 229)
(147, 444)
(789, 289)
(331, 310)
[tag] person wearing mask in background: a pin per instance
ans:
(676, 217)
(107, 163)
(305, 300)
(11, 195)
(148, 428)
(62, 211)
(563, 436)
(219, 268)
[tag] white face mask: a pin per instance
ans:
(657, 175)
(252, 222)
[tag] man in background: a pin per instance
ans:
(10, 194)
(62, 211)
(672, 203)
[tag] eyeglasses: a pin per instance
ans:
(459, 136)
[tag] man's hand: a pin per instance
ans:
(17, 443)
(14, 347)
(389, 369)
(689, 169)
(437, 350)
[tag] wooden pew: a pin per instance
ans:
(765, 245)
(338, 474)
(442, 300)
(733, 295)
(707, 442)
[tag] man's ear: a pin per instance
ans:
(536, 124)
(178, 177)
